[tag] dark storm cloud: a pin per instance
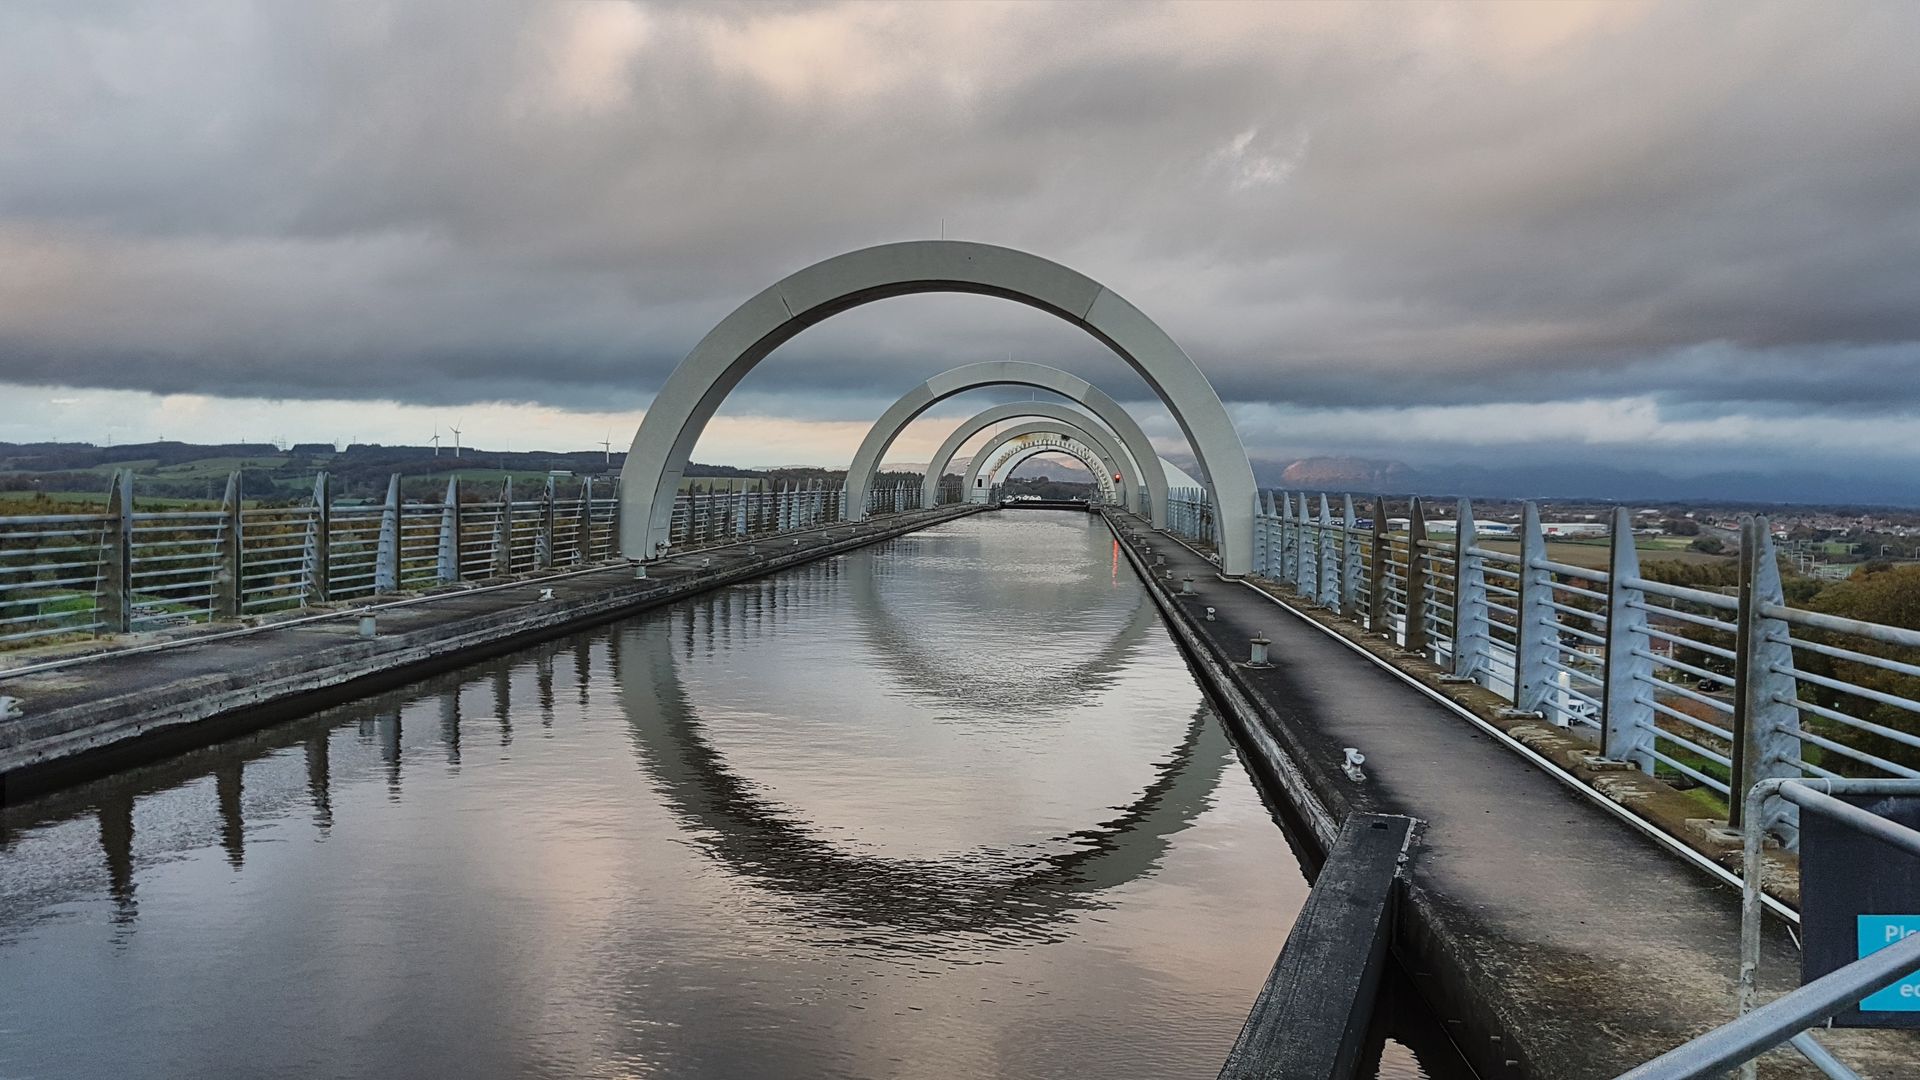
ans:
(1710, 205)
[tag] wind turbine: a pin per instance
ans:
(606, 444)
(456, 439)
(436, 442)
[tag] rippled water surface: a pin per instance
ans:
(950, 806)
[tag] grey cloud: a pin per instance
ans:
(1711, 206)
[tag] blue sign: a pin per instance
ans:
(1876, 933)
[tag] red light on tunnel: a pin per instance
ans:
(1116, 478)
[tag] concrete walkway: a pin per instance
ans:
(1553, 939)
(117, 709)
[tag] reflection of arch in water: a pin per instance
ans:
(377, 721)
(732, 622)
(904, 649)
(984, 890)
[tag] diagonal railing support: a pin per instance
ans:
(386, 562)
(1626, 713)
(227, 581)
(1536, 636)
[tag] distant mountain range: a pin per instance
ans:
(1551, 481)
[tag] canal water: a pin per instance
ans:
(951, 806)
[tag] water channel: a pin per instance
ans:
(951, 806)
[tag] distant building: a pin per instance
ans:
(1574, 528)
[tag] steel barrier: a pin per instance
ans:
(126, 570)
(1715, 689)
(1764, 705)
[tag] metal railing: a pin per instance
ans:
(1729, 690)
(1790, 1018)
(127, 570)
(892, 500)
(1189, 513)
(1716, 689)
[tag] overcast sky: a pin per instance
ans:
(1679, 236)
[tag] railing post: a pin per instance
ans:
(1349, 560)
(1260, 537)
(1536, 635)
(1276, 539)
(503, 531)
(1472, 636)
(1626, 717)
(1302, 547)
(1766, 728)
(1329, 577)
(319, 541)
(116, 575)
(447, 562)
(583, 524)
(1289, 541)
(543, 546)
(740, 498)
(386, 564)
(1379, 621)
(1416, 620)
(1311, 557)
(613, 523)
(227, 580)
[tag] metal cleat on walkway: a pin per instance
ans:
(1257, 653)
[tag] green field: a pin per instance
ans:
(85, 502)
(1595, 554)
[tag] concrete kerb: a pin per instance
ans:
(1279, 767)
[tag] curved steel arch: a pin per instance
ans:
(1013, 434)
(716, 365)
(1013, 373)
(1077, 423)
(1067, 444)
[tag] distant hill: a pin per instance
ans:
(182, 470)
(1581, 482)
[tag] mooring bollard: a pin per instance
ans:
(640, 571)
(706, 562)
(1186, 585)
(1257, 657)
(546, 594)
(367, 628)
(1209, 614)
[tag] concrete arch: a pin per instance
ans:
(1054, 444)
(1015, 373)
(1019, 455)
(730, 350)
(1077, 423)
(1038, 428)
